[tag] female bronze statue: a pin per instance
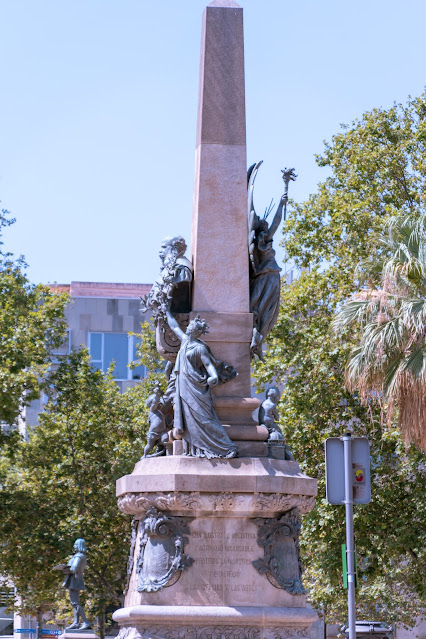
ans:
(195, 371)
(264, 270)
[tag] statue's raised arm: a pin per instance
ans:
(175, 326)
(264, 270)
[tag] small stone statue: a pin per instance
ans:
(264, 270)
(268, 416)
(74, 583)
(172, 289)
(157, 433)
(196, 370)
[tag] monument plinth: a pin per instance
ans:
(243, 579)
(214, 551)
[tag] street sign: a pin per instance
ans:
(49, 631)
(347, 480)
(335, 470)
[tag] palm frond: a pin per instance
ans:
(390, 360)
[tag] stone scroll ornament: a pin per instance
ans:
(281, 563)
(264, 270)
(170, 292)
(161, 551)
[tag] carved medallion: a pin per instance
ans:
(161, 557)
(281, 562)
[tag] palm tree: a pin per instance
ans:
(390, 361)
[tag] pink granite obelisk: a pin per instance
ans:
(219, 227)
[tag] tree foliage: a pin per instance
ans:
(377, 169)
(390, 362)
(61, 485)
(31, 325)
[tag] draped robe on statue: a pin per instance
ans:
(194, 412)
(265, 287)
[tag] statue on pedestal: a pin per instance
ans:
(264, 270)
(172, 290)
(195, 371)
(268, 416)
(74, 583)
(157, 433)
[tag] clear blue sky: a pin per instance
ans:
(98, 114)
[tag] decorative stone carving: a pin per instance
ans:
(211, 632)
(161, 556)
(219, 632)
(281, 562)
(283, 503)
(195, 502)
(225, 501)
(160, 632)
(130, 561)
(229, 632)
(288, 633)
(264, 270)
(179, 501)
(128, 633)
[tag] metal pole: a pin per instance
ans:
(349, 502)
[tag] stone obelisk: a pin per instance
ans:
(219, 228)
(214, 552)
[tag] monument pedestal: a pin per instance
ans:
(240, 523)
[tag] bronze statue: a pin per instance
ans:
(74, 583)
(268, 413)
(172, 290)
(157, 433)
(264, 270)
(268, 416)
(195, 372)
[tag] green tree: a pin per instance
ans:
(62, 486)
(390, 362)
(31, 325)
(376, 170)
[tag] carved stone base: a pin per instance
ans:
(221, 539)
(214, 622)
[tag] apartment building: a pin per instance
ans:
(100, 316)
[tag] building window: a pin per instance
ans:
(120, 348)
(63, 349)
